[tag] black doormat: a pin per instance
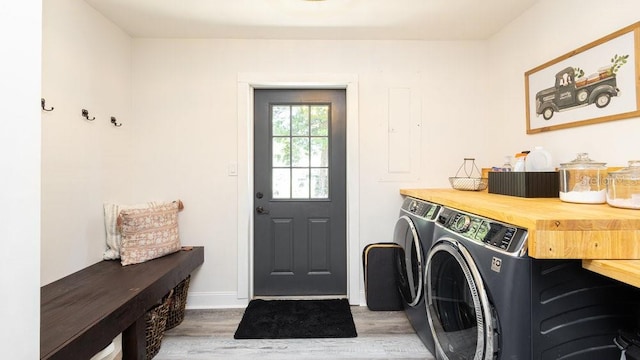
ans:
(296, 319)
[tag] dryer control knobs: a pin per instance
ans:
(461, 223)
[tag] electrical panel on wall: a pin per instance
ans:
(399, 99)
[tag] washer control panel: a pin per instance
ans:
(505, 237)
(420, 208)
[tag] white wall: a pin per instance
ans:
(548, 30)
(186, 124)
(178, 102)
(20, 36)
(86, 65)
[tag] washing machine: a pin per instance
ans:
(486, 299)
(414, 233)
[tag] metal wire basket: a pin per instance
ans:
(470, 182)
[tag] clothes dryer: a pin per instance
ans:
(414, 234)
(486, 299)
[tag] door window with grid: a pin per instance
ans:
(300, 151)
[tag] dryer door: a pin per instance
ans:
(409, 261)
(458, 307)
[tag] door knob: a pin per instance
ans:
(261, 210)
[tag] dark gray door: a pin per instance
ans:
(300, 192)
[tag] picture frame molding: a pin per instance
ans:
(530, 103)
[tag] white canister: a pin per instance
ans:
(623, 187)
(583, 180)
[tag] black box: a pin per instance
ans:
(525, 184)
(381, 290)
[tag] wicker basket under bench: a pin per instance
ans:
(82, 313)
(165, 316)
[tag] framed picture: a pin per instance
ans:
(595, 83)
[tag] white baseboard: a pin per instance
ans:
(229, 300)
(215, 300)
(363, 298)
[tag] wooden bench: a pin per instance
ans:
(82, 313)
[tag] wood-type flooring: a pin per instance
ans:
(208, 335)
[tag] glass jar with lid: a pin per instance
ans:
(623, 187)
(583, 180)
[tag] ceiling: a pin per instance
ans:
(317, 19)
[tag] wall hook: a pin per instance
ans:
(85, 114)
(42, 105)
(113, 121)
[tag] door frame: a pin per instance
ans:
(247, 82)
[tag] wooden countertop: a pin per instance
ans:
(557, 229)
(606, 238)
(627, 271)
